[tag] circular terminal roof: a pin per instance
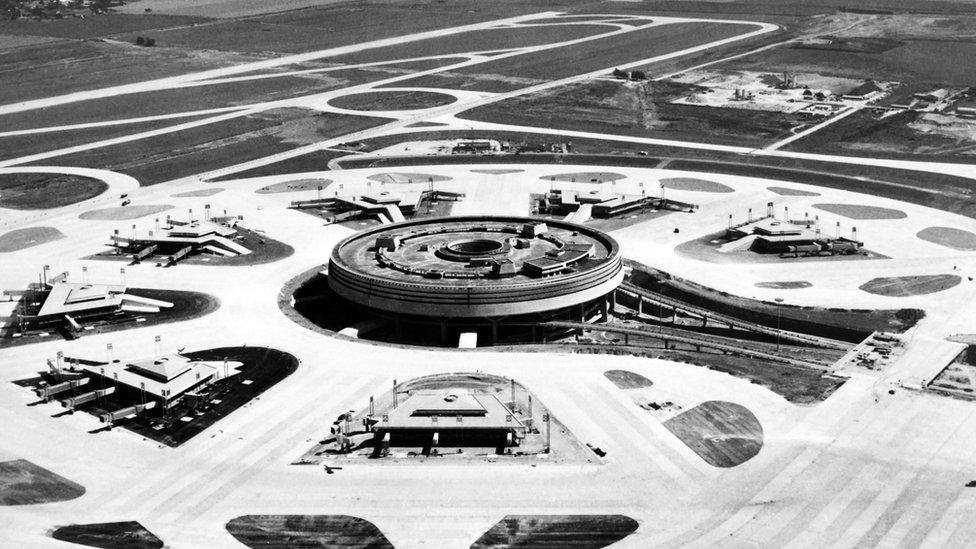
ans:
(475, 266)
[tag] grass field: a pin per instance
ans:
(933, 61)
(786, 191)
(785, 285)
(196, 150)
(637, 109)
(602, 53)
(200, 192)
(123, 213)
(627, 380)
(8, 41)
(109, 535)
(950, 237)
(21, 239)
(93, 26)
(333, 26)
(315, 161)
(904, 286)
(563, 531)
(392, 100)
(70, 66)
(19, 146)
(695, 185)
(724, 434)
(23, 483)
(41, 191)
(263, 531)
(478, 40)
(861, 211)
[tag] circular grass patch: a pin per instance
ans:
(861, 211)
(123, 213)
(695, 185)
(42, 191)
(786, 191)
(392, 101)
(957, 239)
(20, 239)
(905, 286)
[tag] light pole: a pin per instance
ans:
(779, 313)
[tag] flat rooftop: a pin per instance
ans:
(420, 243)
(173, 373)
(74, 297)
(441, 410)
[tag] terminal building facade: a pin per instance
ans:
(478, 277)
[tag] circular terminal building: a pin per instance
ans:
(476, 275)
